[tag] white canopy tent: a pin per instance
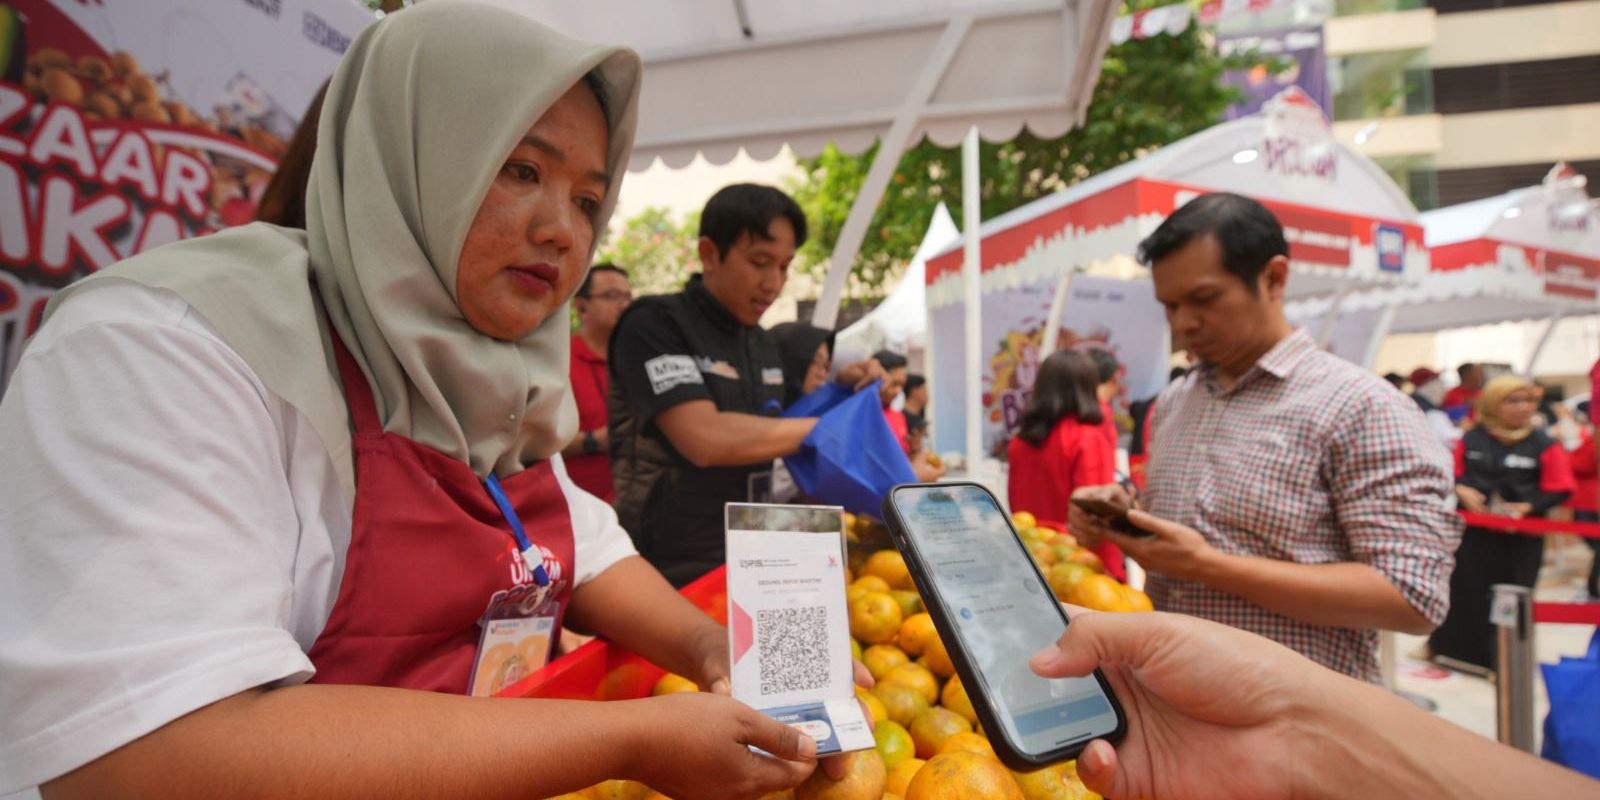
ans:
(1530, 254)
(725, 75)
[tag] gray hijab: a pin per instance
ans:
(419, 117)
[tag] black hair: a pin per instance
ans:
(1105, 364)
(588, 280)
(1064, 388)
(1465, 369)
(797, 346)
(1176, 373)
(1248, 235)
(914, 382)
(889, 360)
(748, 208)
(1395, 378)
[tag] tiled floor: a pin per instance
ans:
(1469, 701)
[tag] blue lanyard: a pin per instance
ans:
(492, 483)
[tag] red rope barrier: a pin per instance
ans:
(1531, 526)
(1570, 613)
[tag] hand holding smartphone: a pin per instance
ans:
(1112, 515)
(993, 610)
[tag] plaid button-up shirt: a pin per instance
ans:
(1307, 458)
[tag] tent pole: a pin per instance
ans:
(971, 223)
(890, 148)
(1332, 318)
(1544, 339)
(1058, 307)
(1380, 331)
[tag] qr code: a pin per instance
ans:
(793, 648)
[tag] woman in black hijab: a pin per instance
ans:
(807, 353)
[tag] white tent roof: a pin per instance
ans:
(1555, 215)
(721, 75)
(1458, 299)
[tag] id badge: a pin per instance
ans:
(518, 627)
(510, 650)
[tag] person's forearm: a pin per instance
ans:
(1362, 741)
(359, 742)
(1544, 501)
(632, 605)
(1344, 595)
(732, 439)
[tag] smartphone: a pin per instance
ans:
(993, 609)
(1114, 516)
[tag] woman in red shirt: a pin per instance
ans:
(1060, 445)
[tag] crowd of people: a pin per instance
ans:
(268, 488)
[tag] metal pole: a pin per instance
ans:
(1332, 318)
(971, 223)
(1544, 339)
(1058, 305)
(1511, 612)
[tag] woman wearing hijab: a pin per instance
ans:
(1503, 467)
(807, 353)
(275, 500)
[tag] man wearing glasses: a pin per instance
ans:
(600, 301)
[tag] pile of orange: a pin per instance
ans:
(929, 743)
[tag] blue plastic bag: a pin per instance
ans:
(1572, 728)
(851, 458)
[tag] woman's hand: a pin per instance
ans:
(697, 745)
(925, 471)
(1472, 500)
(1212, 711)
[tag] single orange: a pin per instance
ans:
(673, 684)
(1024, 520)
(910, 602)
(1137, 600)
(917, 677)
(932, 728)
(901, 702)
(894, 743)
(871, 582)
(880, 658)
(618, 790)
(890, 566)
(937, 658)
(954, 697)
(864, 777)
(876, 712)
(1066, 575)
(960, 775)
(1086, 557)
(1099, 592)
(875, 618)
(901, 774)
(1055, 782)
(915, 632)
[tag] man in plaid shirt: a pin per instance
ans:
(1290, 493)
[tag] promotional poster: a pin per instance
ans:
(129, 124)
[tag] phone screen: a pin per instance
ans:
(992, 595)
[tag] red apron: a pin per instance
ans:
(428, 550)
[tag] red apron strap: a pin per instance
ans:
(357, 392)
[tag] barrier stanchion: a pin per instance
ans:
(1511, 612)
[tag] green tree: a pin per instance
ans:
(657, 251)
(1151, 93)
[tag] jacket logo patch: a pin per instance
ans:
(721, 369)
(772, 377)
(667, 372)
(1521, 462)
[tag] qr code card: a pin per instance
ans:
(788, 627)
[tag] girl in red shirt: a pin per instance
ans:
(1060, 445)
